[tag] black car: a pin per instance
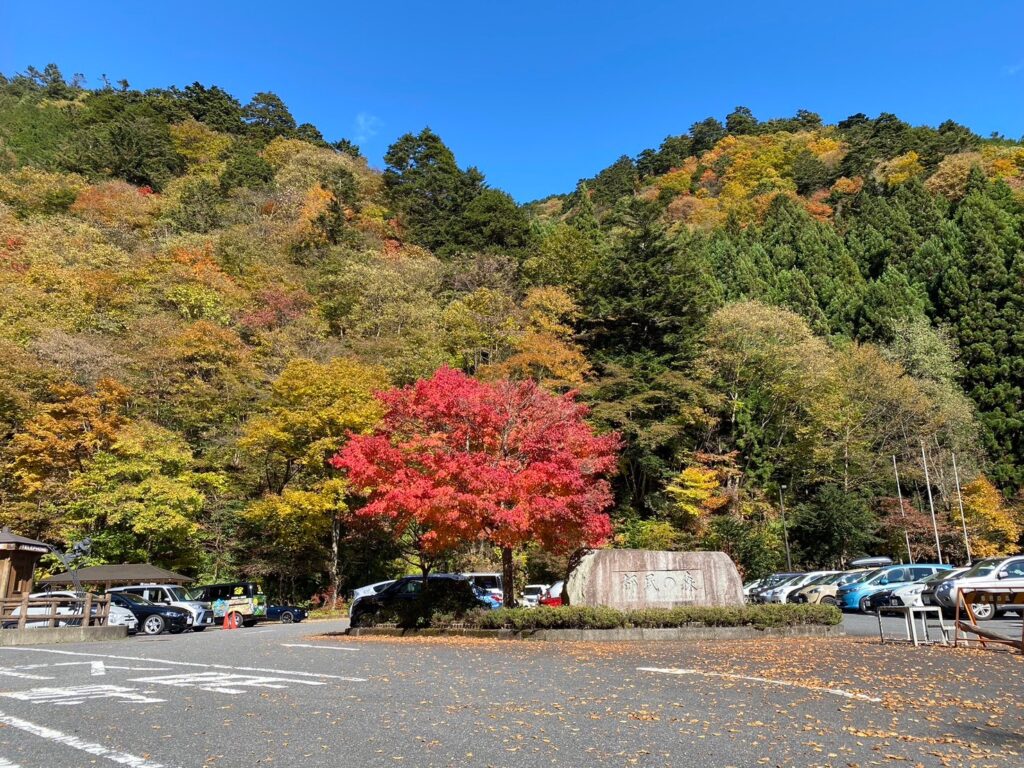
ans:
(408, 590)
(153, 618)
(286, 614)
(881, 601)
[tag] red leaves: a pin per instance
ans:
(505, 462)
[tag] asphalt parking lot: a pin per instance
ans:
(282, 695)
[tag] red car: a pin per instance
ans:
(553, 597)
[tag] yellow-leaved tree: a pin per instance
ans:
(992, 527)
(313, 409)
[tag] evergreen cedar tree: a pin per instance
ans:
(463, 460)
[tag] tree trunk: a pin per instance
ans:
(508, 587)
(335, 576)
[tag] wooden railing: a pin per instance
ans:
(87, 611)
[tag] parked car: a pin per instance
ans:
(1001, 568)
(823, 586)
(553, 596)
(781, 592)
(488, 581)
(856, 595)
(769, 582)
(751, 585)
(532, 594)
(286, 614)
(909, 593)
(244, 598)
(410, 588)
(928, 593)
(72, 604)
(153, 618)
(369, 589)
(172, 594)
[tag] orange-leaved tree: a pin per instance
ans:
(457, 460)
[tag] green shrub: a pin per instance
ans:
(586, 617)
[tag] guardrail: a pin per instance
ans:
(88, 611)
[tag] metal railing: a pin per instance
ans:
(29, 613)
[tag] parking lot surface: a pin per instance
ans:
(284, 695)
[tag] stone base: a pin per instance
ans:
(59, 635)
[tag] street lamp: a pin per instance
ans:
(785, 531)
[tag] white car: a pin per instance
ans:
(911, 593)
(532, 593)
(369, 589)
(782, 591)
(1007, 571)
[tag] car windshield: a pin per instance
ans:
(134, 598)
(869, 576)
(823, 579)
(178, 593)
(981, 568)
(487, 582)
(792, 580)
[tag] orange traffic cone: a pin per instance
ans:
(229, 620)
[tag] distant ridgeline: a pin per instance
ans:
(199, 298)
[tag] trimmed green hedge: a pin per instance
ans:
(583, 617)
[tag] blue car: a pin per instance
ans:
(286, 614)
(856, 596)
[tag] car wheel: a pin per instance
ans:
(198, 629)
(153, 625)
(984, 611)
(287, 618)
(238, 621)
(829, 601)
(865, 605)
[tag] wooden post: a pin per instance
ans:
(88, 609)
(24, 611)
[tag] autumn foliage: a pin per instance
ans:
(456, 460)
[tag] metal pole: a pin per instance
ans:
(899, 492)
(931, 503)
(960, 501)
(785, 531)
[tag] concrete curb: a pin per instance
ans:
(605, 635)
(59, 635)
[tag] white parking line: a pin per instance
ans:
(219, 682)
(5, 763)
(786, 683)
(190, 664)
(98, 750)
(323, 647)
(80, 694)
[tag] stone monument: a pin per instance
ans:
(639, 578)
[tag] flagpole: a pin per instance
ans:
(906, 535)
(931, 503)
(960, 500)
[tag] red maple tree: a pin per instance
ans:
(456, 460)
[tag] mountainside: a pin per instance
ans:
(199, 297)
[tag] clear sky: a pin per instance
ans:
(541, 94)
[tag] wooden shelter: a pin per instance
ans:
(18, 558)
(106, 576)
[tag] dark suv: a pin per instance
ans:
(406, 596)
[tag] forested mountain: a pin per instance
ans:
(198, 298)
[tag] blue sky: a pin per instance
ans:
(540, 94)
